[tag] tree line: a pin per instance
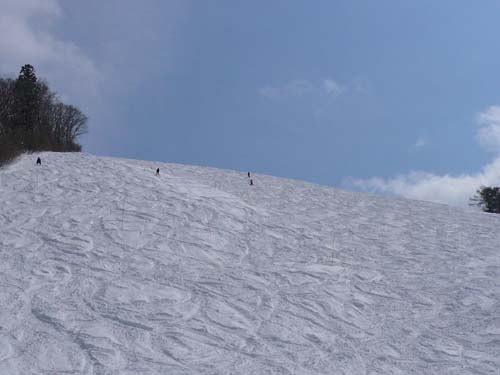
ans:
(32, 118)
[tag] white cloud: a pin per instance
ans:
(420, 142)
(298, 87)
(270, 92)
(332, 88)
(488, 134)
(26, 37)
(454, 190)
(302, 87)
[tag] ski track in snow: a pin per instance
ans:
(108, 269)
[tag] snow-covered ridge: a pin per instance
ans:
(107, 269)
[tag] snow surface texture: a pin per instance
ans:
(107, 269)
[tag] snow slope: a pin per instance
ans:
(107, 269)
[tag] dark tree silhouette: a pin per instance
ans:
(27, 74)
(32, 118)
(26, 99)
(488, 199)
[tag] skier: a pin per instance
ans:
(157, 171)
(38, 161)
(248, 174)
(251, 182)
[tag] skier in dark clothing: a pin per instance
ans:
(157, 171)
(248, 174)
(251, 182)
(38, 161)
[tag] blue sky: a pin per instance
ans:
(388, 96)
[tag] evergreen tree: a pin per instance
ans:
(27, 74)
(27, 100)
(488, 198)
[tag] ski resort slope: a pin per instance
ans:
(107, 269)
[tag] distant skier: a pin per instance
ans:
(38, 161)
(248, 174)
(251, 182)
(157, 171)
